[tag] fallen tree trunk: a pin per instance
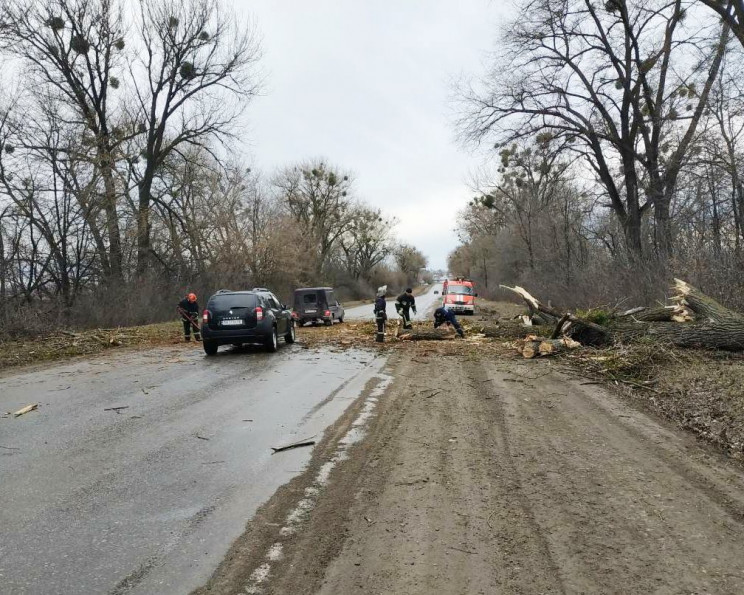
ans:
(676, 313)
(506, 329)
(703, 306)
(695, 320)
(425, 335)
(729, 337)
(584, 331)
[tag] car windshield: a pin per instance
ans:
(235, 301)
(460, 289)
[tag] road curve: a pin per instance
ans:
(149, 497)
(425, 305)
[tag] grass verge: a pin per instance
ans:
(65, 344)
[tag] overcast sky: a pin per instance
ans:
(368, 85)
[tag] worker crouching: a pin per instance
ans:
(444, 316)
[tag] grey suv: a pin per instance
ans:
(237, 317)
(317, 304)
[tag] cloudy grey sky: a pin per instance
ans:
(368, 85)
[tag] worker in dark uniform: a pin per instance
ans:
(444, 316)
(380, 313)
(403, 306)
(188, 308)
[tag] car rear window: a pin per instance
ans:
(235, 301)
(310, 298)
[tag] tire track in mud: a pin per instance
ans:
(447, 514)
(469, 482)
(621, 499)
(484, 390)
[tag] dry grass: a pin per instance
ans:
(65, 344)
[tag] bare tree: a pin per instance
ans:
(192, 80)
(73, 49)
(530, 177)
(624, 82)
(410, 261)
(367, 241)
(731, 12)
(318, 196)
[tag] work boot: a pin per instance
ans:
(187, 339)
(197, 337)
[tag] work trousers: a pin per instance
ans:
(187, 326)
(405, 314)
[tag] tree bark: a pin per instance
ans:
(426, 335)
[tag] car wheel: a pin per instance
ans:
(210, 348)
(341, 319)
(272, 343)
(291, 335)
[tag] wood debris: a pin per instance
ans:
(293, 445)
(26, 409)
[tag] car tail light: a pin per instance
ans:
(327, 312)
(259, 313)
(205, 316)
(295, 315)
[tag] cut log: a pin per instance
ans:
(529, 346)
(531, 349)
(554, 346)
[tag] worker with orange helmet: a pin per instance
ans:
(188, 308)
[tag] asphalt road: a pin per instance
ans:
(425, 306)
(148, 499)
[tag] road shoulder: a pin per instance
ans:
(490, 476)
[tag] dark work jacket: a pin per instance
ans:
(191, 307)
(442, 316)
(380, 304)
(407, 301)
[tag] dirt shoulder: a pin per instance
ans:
(481, 474)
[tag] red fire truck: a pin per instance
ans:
(459, 295)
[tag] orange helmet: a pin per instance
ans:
(191, 297)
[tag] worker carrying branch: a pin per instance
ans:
(444, 316)
(403, 306)
(188, 308)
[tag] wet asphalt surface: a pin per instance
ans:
(148, 499)
(425, 306)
